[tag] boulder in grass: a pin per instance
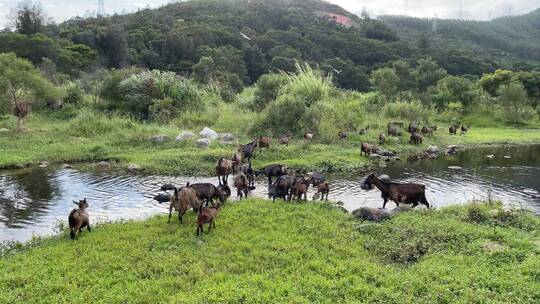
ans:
(227, 137)
(43, 164)
(133, 168)
(67, 166)
(203, 143)
(371, 214)
(433, 150)
(160, 138)
(184, 135)
(209, 133)
(4, 130)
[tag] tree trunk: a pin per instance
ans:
(19, 124)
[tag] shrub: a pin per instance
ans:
(513, 99)
(89, 124)
(267, 90)
(139, 92)
(74, 94)
(405, 110)
(476, 214)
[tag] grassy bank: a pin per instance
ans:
(90, 137)
(288, 253)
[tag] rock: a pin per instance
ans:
(227, 137)
(491, 156)
(455, 168)
(400, 209)
(167, 187)
(385, 178)
(374, 156)
(507, 157)
(208, 133)
(103, 164)
(395, 158)
(451, 150)
(371, 214)
(3, 130)
(160, 138)
(203, 143)
(133, 168)
(339, 203)
(433, 150)
(67, 166)
(492, 246)
(184, 135)
(342, 209)
(163, 197)
(43, 164)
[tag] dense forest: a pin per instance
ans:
(511, 42)
(283, 63)
(236, 41)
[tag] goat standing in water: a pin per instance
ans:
(242, 185)
(322, 190)
(225, 167)
(399, 193)
(79, 218)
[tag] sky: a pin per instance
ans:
(61, 10)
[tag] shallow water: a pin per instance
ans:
(34, 200)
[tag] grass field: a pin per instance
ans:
(92, 137)
(287, 253)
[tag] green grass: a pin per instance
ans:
(262, 252)
(92, 137)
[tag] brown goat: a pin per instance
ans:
(464, 129)
(79, 218)
(399, 193)
(416, 138)
(264, 142)
(322, 190)
(182, 200)
(225, 167)
(413, 127)
(300, 188)
(427, 131)
(453, 129)
(382, 138)
(393, 131)
(207, 216)
(367, 149)
(284, 140)
(242, 185)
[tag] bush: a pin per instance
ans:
(513, 99)
(74, 94)
(267, 90)
(405, 110)
(171, 94)
(88, 124)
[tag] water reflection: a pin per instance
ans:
(32, 201)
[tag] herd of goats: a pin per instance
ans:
(288, 184)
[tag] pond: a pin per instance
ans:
(35, 200)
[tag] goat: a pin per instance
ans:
(264, 142)
(464, 129)
(242, 185)
(428, 131)
(285, 139)
(416, 138)
(247, 150)
(207, 192)
(225, 167)
(308, 135)
(300, 188)
(182, 200)
(399, 193)
(322, 190)
(382, 139)
(367, 149)
(413, 127)
(207, 216)
(79, 218)
(453, 129)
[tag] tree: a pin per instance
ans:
(513, 98)
(29, 18)
(385, 81)
(22, 85)
(427, 73)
